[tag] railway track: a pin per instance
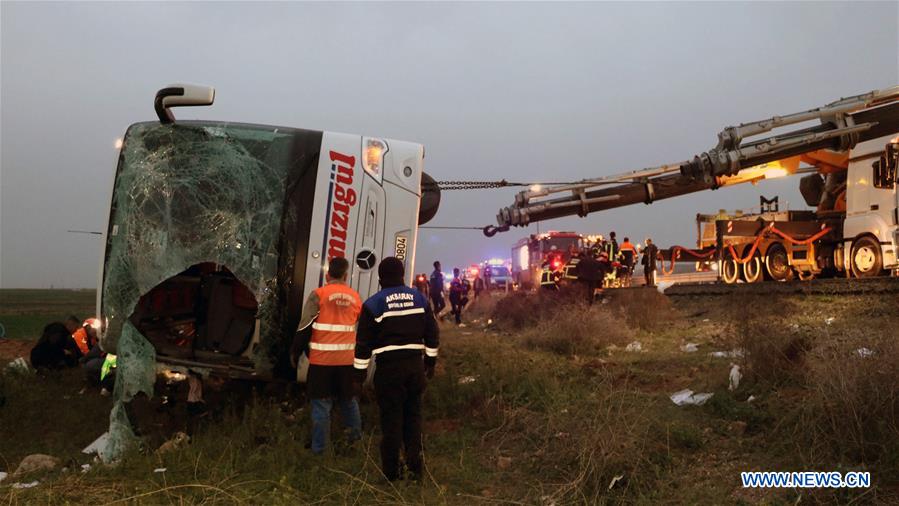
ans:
(835, 286)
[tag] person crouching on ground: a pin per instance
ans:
(332, 310)
(398, 327)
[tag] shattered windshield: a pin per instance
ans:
(185, 194)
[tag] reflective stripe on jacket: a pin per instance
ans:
(334, 330)
(570, 270)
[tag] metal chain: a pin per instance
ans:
(471, 185)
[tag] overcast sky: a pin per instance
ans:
(517, 91)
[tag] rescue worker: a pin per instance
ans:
(569, 272)
(611, 247)
(436, 289)
(397, 327)
(650, 252)
(332, 311)
(456, 296)
(590, 275)
(628, 258)
(80, 332)
(548, 278)
(479, 285)
(421, 284)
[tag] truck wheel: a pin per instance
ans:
(777, 263)
(752, 270)
(730, 270)
(866, 260)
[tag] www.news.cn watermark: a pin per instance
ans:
(805, 479)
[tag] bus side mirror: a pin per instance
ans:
(181, 95)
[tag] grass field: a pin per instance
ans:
(549, 408)
(23, 313)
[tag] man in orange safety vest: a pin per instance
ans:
(332, 311)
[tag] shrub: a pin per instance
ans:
(579, 330)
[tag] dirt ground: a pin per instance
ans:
(567, 413)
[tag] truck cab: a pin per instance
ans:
(870, 232)
(218, 231)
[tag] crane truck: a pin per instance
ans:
(847, 153)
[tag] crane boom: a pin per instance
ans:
(843, 124)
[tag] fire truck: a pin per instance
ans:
(531, 253)
(218, 232)
(847, 153)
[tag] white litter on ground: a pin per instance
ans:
(98, 445)
(689, 347)
(751, 398)
(829, 320)
(160, 470)
(3, 476)
(19, 365)
(634, 346)
(688, 398)
(734, 377)
(464, 380)
(25, 485)
(615, 480)
(864, 352)
(85, 468)
(734, 353)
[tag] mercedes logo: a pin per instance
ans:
(366, 259)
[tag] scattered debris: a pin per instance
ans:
(706, 320)
(751, 398)
(689, 347)
(688, 398)
(661, 286)
(734, 377)
(85, 468)
(462, 325)
(734, 353)
(489, 321)
(464, 380)
(177, 441)
(864, 352)
(160, 470)
(504, 462)
(3, 476)
(634, 346)
(19, 365)
(25, 485)
(36, 462)
(829, 320)
(98, 445)
(615, 480)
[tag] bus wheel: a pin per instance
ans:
(866, 259)
(777, 263)
(730, 270)
(752, 270)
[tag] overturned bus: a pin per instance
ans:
(218, 231)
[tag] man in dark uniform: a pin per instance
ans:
(398, 327)
(650, 252)
(436, 289)
(456, 296)
(590, 274)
